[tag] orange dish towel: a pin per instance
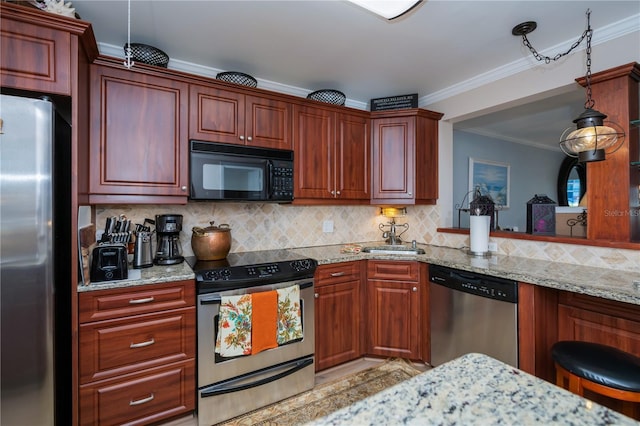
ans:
(264, 321)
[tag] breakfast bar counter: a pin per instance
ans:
(475, 390)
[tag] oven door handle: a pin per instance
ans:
(217, 299)
(228, 387)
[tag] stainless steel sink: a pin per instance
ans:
(393, 249)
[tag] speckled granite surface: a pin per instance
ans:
(611, 284)
(155, 274)
(474, 390)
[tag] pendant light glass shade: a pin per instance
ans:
(592, 138)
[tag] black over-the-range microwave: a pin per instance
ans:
(239, 173)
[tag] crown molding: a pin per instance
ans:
(204, 71)
(610, 32)
(602, 35)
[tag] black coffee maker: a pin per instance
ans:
(168, 249)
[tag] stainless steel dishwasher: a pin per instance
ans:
(472, 312)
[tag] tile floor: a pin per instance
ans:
(321, 377)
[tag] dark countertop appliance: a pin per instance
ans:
(168, 247)
(240, 173)
(231, 386)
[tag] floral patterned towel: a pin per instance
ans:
(289, 321)
(234, 326)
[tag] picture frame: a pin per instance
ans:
(492, 178)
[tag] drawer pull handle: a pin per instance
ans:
(337, 274)
(143, 400)
(142, 344)
(138, 301)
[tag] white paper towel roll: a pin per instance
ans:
(479, 234)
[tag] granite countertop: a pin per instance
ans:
(622, 286)
(153, 275)
(475, 390)
(606, 283)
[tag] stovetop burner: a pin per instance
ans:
(249, 269)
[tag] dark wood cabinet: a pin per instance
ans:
(137, 353)
(138, 144)
(332, 161)
(226, 116)
(393, 309)
(405, 157)
(546, 316)
(592, 319)
(338, 304)
(613, 209)
(41, 50)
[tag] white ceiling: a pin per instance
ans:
(304, 45)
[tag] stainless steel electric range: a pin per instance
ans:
(231, 386)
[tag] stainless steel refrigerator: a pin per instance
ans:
(34, 263)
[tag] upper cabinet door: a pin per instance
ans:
(353, 157)
(227, 116)
(393, 159)
(313, 150)
(268, 123)
(35, 58)
(405, 156)
(138, 145)
(216, 115)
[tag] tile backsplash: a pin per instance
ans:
(256, 226)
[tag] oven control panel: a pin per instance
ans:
(263, 270)
(259, 271)
(221, 278)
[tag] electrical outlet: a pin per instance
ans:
(493, 247)
(327, 226)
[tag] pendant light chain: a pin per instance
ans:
(548, 59)
(128, 54)
(590, 103)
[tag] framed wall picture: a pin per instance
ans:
(492, 178)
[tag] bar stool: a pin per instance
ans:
(600, 369)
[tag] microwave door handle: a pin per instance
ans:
(269, 179)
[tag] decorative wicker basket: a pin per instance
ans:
(148, 54)
(329, 96)
(237, 78)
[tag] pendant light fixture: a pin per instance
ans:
(592, 138)
(128, 52)
(388, 9)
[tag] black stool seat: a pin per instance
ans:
(599, 364)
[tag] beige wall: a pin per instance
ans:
(272, 226)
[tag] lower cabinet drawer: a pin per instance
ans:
(115, 347)
(143, 398)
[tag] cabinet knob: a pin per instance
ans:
(183, 188)
(316, 295)
(241, 137)
(249, 138)
(338, 192)
(410, 194)
(333, 192)
(414, 289)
